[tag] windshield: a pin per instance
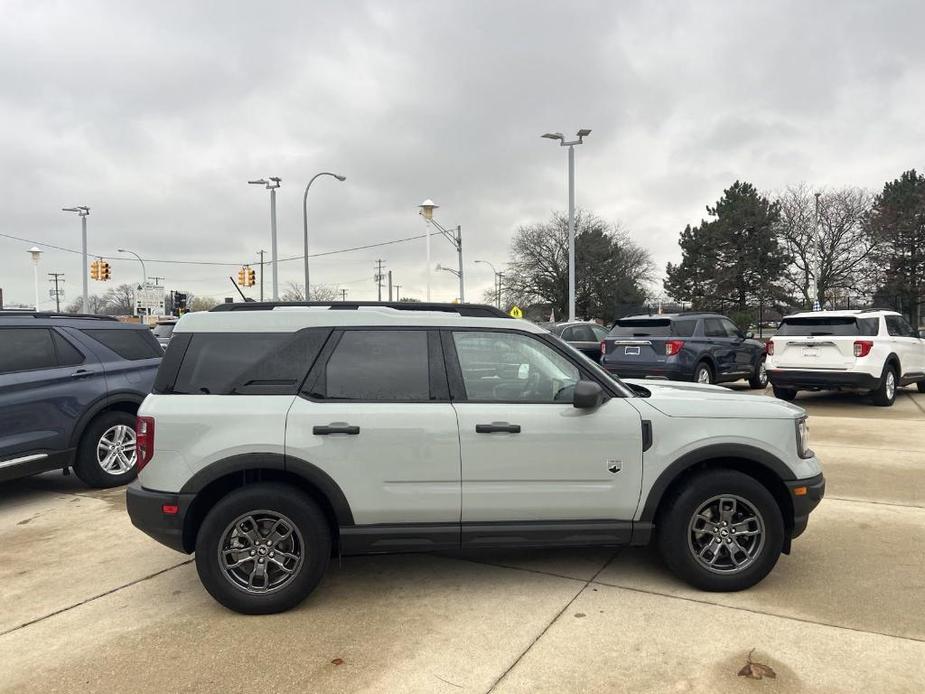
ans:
(163, 329)
(847, 326)
(650, 327)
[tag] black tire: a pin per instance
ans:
(311, 532)
(87, 466)
(921, 386)
(788, 394)
(703, 368)
(676, 541)
(885, 393)
(759, 379)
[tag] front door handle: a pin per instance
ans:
(336, 428)
(497, 428)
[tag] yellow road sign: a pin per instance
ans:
(515, 312)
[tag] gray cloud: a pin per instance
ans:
(156, 115)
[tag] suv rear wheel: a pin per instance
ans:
(723, 531)
(703, 373)
(885, 394)
(921, 386)
(263, 548)
(106, 455)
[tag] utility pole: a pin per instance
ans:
(817, 265)
(379, 277)
(397, 287)
(390, 285)
(83, 211)
(157, 280)
(343, 294)
(261, 252)
(272, 183)
(57, 277)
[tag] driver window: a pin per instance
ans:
(507, 367)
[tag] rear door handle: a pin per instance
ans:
(81, 373)
(497, 428)
(336, 428)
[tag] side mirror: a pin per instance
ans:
(588, 395)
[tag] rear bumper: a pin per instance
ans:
(146, 510)
(797, 378)
(803, 504)
(673, 373)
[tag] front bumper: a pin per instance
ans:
(805, 502)
(824, 380)
(146, 510)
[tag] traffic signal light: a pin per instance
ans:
(246, 276)
(242, 276)
(95, 270)
(251, 277)
(180, 303)
(104, 272)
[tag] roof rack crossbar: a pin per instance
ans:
(54, 314)
(468, 310)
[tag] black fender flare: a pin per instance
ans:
(98, 406)
(303, 469)
(720, 451)
(893, 357)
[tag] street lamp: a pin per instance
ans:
(144, 274)
(454, 236)
(305, 219)
(272, 183)
(36, 253)
(581, 134)
(83, 211)
(497, 280)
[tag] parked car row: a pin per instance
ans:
(873, 351)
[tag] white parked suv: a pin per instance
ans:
(278, 436)
(874, 351)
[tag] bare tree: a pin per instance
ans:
(319, 292)
(96, 304)
(202, 303)
(839, 263)
(120, 300)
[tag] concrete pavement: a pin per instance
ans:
(93, 605)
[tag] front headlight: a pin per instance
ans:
(803, 449)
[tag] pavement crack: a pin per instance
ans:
(553, 620)
(517, 568)
(915, 639)
(95, 597)
(871, 501)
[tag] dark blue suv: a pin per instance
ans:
(701, 347)
(69, 389)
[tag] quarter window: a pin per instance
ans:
(378, 365)
(25, 349)
(128, 343)
(508, 367)
(68, 355)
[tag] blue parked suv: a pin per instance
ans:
(701, 347)
(69, 389)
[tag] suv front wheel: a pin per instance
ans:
(722, 531)
(263, 548)
(106, 455)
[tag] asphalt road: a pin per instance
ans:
(90, 604)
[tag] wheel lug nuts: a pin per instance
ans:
(272, 554)
(260, 561)
(253, 553)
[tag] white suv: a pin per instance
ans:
(871, 350)
(280, 435)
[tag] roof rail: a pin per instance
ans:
(52, 314)
(871, 310)
(468, 310)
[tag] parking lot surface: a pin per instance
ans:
(91, 604)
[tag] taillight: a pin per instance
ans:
(862, 347)
(769, 348)
(144, 441)
(672, 347)
(603, 347)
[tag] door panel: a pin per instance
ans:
(401, 467)
(556, 468)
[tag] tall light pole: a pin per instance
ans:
(454, 236)
(497, 280)
(272, 183)
(583, 133)
(305, 220)
(36, 254)
(84, 212)
(816, 262)
(144, 273)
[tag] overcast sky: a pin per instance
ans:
(156, 114)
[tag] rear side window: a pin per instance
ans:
(128, 344)
(642, 327)
(580, 333)
(377, 365)
(683, 328)
(713, 327)
(25, 349)
(898, 327)
(247, 363)
(845, 326)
